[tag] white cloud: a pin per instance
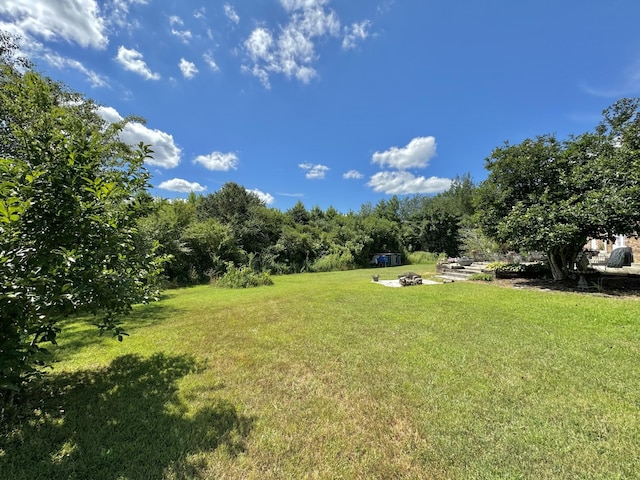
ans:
(180, 185)
(109, 114)
(259, 45)
(384, 7)
(188, 69)
(218, 161)
(401, 183)
(117, 11)
(315, 21)
(208, 58)
(260, 73)
(231, 14)
(416, 154)
(30, 47)
(267, 198)
(184, 35)
(60, 62)
(353, 175)
(75, 21)
(292, 53)
(200, 13)
(354, 33)
(314, 172)
(27, 44)
(290, 5)
(166, 153)
(295, 195)
(131, 60)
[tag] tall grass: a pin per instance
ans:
(421, 257)
(334, 262)
(329, 375)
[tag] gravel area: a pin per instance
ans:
(396, 283)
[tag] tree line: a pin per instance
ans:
(543, 194)
(204, 234)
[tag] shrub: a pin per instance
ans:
(532, 270)
(537, 269)
(482, 277)
(493, 266)
(512, 267)
(333, 262)
(422, 257)
(243, 277)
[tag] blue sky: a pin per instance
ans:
(334, 102)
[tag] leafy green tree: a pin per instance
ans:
(475, 244)
(381, 235)
(388, 209)
(254, 226)
(438, 232)
(298, 213)
(71, 195)
(458, 199)
(296, 247)
(433, 223)
(331, 213)
(316, 214)
(232, 205)
(549, 195)
(166, 225)
(210, 245)
(530, 201)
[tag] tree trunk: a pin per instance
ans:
(558, 265)
(562, 260)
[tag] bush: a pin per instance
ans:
(505, 267)
(243, 277)
(538, 269)
(529, 270)
(422, 257)
(333, 262)
(482, 277)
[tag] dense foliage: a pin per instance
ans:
(206, 234)
(243, 277)
(70, 200)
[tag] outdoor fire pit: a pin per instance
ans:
(409, 278)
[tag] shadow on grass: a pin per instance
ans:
(618, 285)
(79, 332)
(124, 421)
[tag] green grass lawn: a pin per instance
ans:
(332, 376)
